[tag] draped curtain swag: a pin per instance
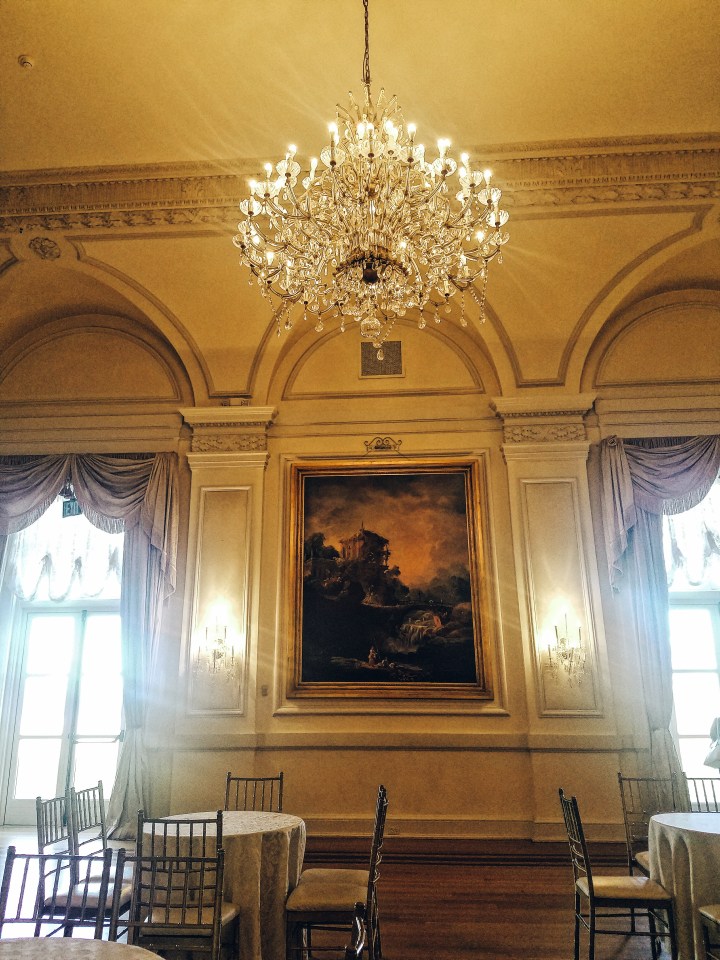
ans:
(638, 486)
(118, 494)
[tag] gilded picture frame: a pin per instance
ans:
(387, 589)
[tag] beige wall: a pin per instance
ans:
(135, 336)
(458, 768)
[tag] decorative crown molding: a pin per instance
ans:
(543, 419)
(228, 429)
(571, 175)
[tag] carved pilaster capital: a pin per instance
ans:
(544, 419)
(231, 429)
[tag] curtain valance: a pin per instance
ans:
(661, 480)
(115, 494)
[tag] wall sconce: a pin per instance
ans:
(214, 656)
(566, 655)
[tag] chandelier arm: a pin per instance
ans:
(423, 201)
(279, 212)
(345, 114)
(258, 230)
(341, 216)
(461, 213)
(476, 255)
(300, 214)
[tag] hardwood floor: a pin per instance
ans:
(487, 901)
(494, 912)
(498, 902)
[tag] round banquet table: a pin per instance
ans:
(684, 853)
(263, 859)
(69, 948)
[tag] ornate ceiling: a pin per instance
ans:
(129, 138)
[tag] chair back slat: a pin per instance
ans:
(179, 836)
(576, 839)
(45, 895)
(176, 902)
(376, 848)
(254, 793)
(87, 819)
(53, 825)
(704, 793)
(641, 798)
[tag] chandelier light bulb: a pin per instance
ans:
(375, 231)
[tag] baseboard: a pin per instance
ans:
(356, 851)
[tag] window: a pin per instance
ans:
(692, 556)
(69, 707)
(62, 696)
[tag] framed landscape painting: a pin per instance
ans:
(387, 596)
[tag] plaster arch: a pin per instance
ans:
(285, 364)
(623, 289)
(98, 359)
(668, 344)
(105, 290)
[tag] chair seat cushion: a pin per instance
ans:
(711, 912)
(334, 875)
(624, 888)
(642, 859)
(174, 925)
(87, 896)
(328, 890)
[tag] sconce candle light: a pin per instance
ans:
(567, 655)
(215, 656)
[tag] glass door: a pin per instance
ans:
(68, 715)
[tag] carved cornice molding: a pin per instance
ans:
(197, 196)
(547, 433)
(232, 429)
(543, 419)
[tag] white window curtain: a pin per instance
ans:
(637, 486)
(692, 546)
(137, 495)
(64, 558)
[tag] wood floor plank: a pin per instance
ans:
(460, 912)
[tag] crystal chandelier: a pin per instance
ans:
(377, 229)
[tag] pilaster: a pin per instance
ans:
(545, 450)
(227, 459)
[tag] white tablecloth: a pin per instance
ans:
(69, 948)
(685, 858)
(263, 859)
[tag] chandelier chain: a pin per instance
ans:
(366, 59)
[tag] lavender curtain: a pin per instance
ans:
(137, 496)
(638, 486)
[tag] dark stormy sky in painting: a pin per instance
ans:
(422, 515)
